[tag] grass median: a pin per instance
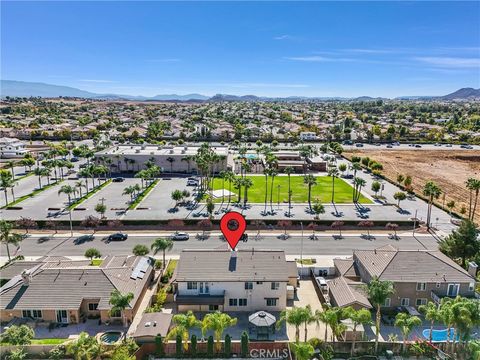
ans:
(32, 194)
(142, 195)
(89, 195)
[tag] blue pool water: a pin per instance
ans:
(439, 335)
(111, 337)
(251, 156)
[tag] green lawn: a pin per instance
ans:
(52, 341)
(96, 262)
(322, 191)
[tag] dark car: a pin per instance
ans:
(83, 238)
(118, 179)
(359, 145)
(117, 237)
(74, 159)
(244, 237)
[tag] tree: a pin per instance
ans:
(217, 322)
(90, 222)
(177, 196)
(171, 160)
(318, 209)
(295, 317)
(310, 181)
(462, 243)
(431, 191)
(228, 346)
(6, 182)
(119, 303)
(400, 179)
(432, 313)
(473, 186)
(378, 291)
(162, 244)
(393, 227)
(140, 250)
(244, 344)
(357, 188)
(85, 347)
(342, 167)
(367, 225)
(289, 170)
(7, 237)
(358, 317)
(67, 190)
(101, 208)
(406, 323)
(25, 223)
(399, 196)
(92, 253)
(183, 324)
(17, 354)
(17, 335)
(450, 206)
(333, 172)
(303, 351)
(338, 225)
(376, 186)
(247, 184)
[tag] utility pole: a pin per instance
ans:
(301, 245)
(414, 222)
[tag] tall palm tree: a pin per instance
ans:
(303, 351)
(432, 191)
(247, 184)
(333, 315)
(217, 322)
(230, 177)
(183, 324)
(11, 165)
(171, 160)
(7, 237)
(309, 317)
(85, 347)
(289, 170)
(295, 317)
(355, 167)
(406, 323)
(237, 184)
(273, 173)
(119, 303)
(67, 190)
(358, 317)
(223, 176)
(378, 291)
(432, 313)
(473, 186)
(162, 244)
(129, 190)
(357, 188)
(310, 181)
(266, 172)
(79, 185)
(6, 182)
(333, 172)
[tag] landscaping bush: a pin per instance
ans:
(178, 346)
(244, 343)
(159, 350)
(193, 345)
(210, 346)
(228, 346)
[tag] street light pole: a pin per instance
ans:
(301, 245)
(278, 197)
(414, 222)
(71, 227)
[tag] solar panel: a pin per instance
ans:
(140, 269)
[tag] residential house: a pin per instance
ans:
(243, 280)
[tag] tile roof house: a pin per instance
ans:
(418, 276)
(243, 280)
(67, 291)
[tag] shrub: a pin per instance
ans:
(210, 346)
(17, 335)
(193, 345)
(244, 343)
(140, 250)
(57, 353)
(159, 351)
(178, 346)
(228, 346)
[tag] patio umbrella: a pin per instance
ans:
(262, 319)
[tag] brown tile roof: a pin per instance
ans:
(411, 266)
(222, 265)
(346, 293)
(152, 324)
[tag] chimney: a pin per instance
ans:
(472, 268)
(26, 278)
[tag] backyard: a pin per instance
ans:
(321, 191)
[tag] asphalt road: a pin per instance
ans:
(325, 245)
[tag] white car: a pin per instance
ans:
(180, 236)
(322, 283)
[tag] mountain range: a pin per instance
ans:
(14, 88)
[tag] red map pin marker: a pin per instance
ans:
(233, 226)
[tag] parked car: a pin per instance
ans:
(82, 166)
(448, 145)
(83, 238)
(179, 236)
(118, 179)
(418, 146)
(359, 145)
(389, 146)
(322, 283)
(192, 182)
(74, 159)
(117, 237)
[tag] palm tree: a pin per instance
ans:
(217, 322)
(247, 184)
(303, 351)
(266, 172)
(289, 170)
(295, 317)
(406, 323)
(432, 313)
(473, 185)
(332, 316)
(223, 176)
(171, 160)
(85, 347)
(432, 191)
(309, 317)
(162, 244)
(310, 181)
(129, 190)
(67, 190)
(358, 317)
(6, 181)
(79, 185)
(333, 172)
(11, 165)
(119, 303)
(237, 184)
(183, 324)
(230, 177)
(378, 291)
(355, 167)
(7, 237)
(273, 173)
(318, 209)
(358, 184)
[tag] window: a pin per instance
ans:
(421, 286)
(405, 301)
(471, 286)
(421, 302)
(191, 285)
(259, 282)
(35, 314)
(232, 302)
(271, 301)
(452, 290)
(116, 314)
(212, 307)
(275, 285)
(93, 306)
(242, 302)
(387, 302)
(248, 285)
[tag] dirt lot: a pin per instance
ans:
(449, 169)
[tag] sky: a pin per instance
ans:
(268, 48)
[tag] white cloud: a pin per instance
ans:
(283, 37)
(450, 62)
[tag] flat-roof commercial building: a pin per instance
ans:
(171, 159)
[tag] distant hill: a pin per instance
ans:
(463, 94)
(14, 88)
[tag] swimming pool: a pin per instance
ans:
(111, 337)
(439, 335)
